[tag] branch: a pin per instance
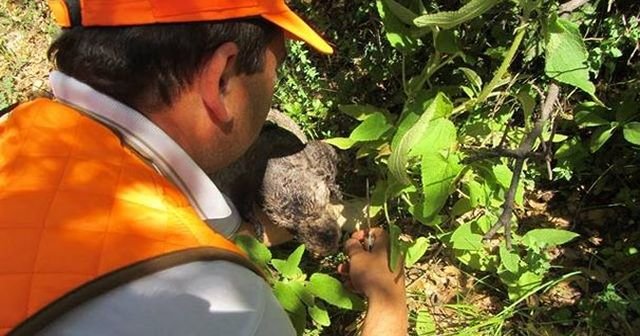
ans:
(525, 149)
(485, 154)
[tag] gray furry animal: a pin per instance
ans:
(293, 181)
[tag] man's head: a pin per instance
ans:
(202, 70)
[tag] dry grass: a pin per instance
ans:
(28, 31)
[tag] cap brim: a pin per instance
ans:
(295, 26)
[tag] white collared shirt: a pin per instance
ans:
(197, 298)
(156, 146)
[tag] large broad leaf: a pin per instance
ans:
(416, 251)
(413, 108)
(258, 253)
(292, 304)
(332, 291)
(448, 20)
(302, 292)
(440, 135)
(464, 238)
(632, 132)
(547, 237)
(372, 128)
(566, 55)
(438, 175)
(400, 152)
(397, 33)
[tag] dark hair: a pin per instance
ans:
(147, 66)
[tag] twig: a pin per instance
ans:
(525, 148)
(501, 152)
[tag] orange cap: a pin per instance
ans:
(88, 13)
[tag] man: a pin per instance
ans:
(109, 224)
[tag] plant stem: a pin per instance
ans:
(504, 67)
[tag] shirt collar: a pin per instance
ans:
(154, 144)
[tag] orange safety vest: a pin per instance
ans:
(81, 213)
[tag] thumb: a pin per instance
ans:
(353, 247)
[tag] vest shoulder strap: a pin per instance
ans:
(8, 109)
(103, 284)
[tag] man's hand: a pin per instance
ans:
(369, 274)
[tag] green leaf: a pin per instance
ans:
(292, 304)
(566, 55)
(425, 323)
(473, 78)
(287, 297)
(400, 152)
(547, 237)
(397, 248)
(397, 33)
(333, 292)
(441, 134)
(401, 12)
(589, 114)
(476, 193)
(521, 284)
(632, 132)
(600, 137)
(416, 251)
(509, 259)
(257, 252)
(360, 112)
(447, 42)
(463, 238)
(289, 269)
(413, 108)
(341, 143)
(438, 175)
(302, 292)
(527, 98)
(319, 315)
(448, 20)
(503, 175)
(372, 128)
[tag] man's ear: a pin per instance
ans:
(214, 80)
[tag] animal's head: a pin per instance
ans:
(321, 235)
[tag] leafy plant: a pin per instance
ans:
(301, 295)
(429, 155)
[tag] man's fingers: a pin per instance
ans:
(343, 269)
(359, 235)
(381, 237)
(352, 247)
